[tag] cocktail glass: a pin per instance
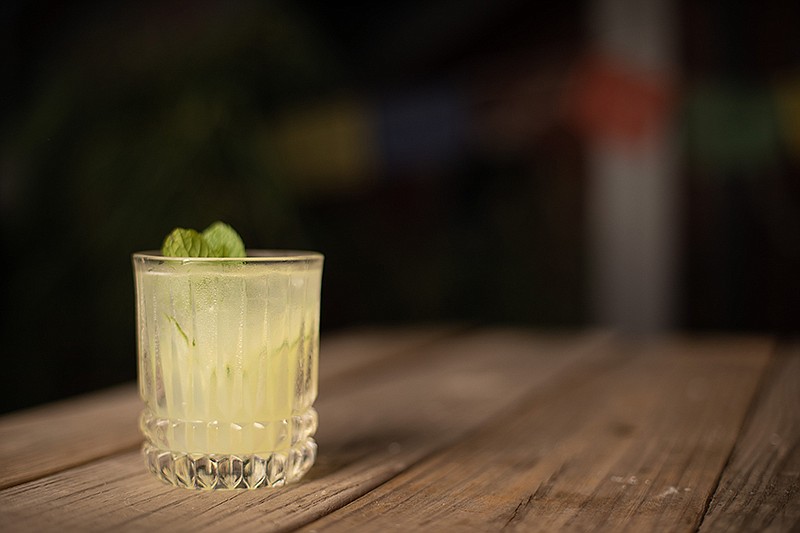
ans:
(228, 351)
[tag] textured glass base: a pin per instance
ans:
(211, 471)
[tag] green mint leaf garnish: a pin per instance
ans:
(185, 243)
(223, 240)
(217, 240)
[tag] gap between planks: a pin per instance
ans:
(759, 488)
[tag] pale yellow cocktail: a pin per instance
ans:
(228, 353)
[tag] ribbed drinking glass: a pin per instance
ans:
(228, 351)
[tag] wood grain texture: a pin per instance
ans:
(40, 441)
(760, 487)
(352, 350)
(634, 447)
(370, 431)
(44, 440)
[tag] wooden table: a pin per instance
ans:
(458, 429)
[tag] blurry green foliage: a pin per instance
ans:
(138, 117)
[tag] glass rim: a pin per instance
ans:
(255, 255)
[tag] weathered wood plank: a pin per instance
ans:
(638, 447)
(760, 487)
(369, 432)
(47, 439)
(43, 440)
(352, 350)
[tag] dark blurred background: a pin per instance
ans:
(622, 163)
